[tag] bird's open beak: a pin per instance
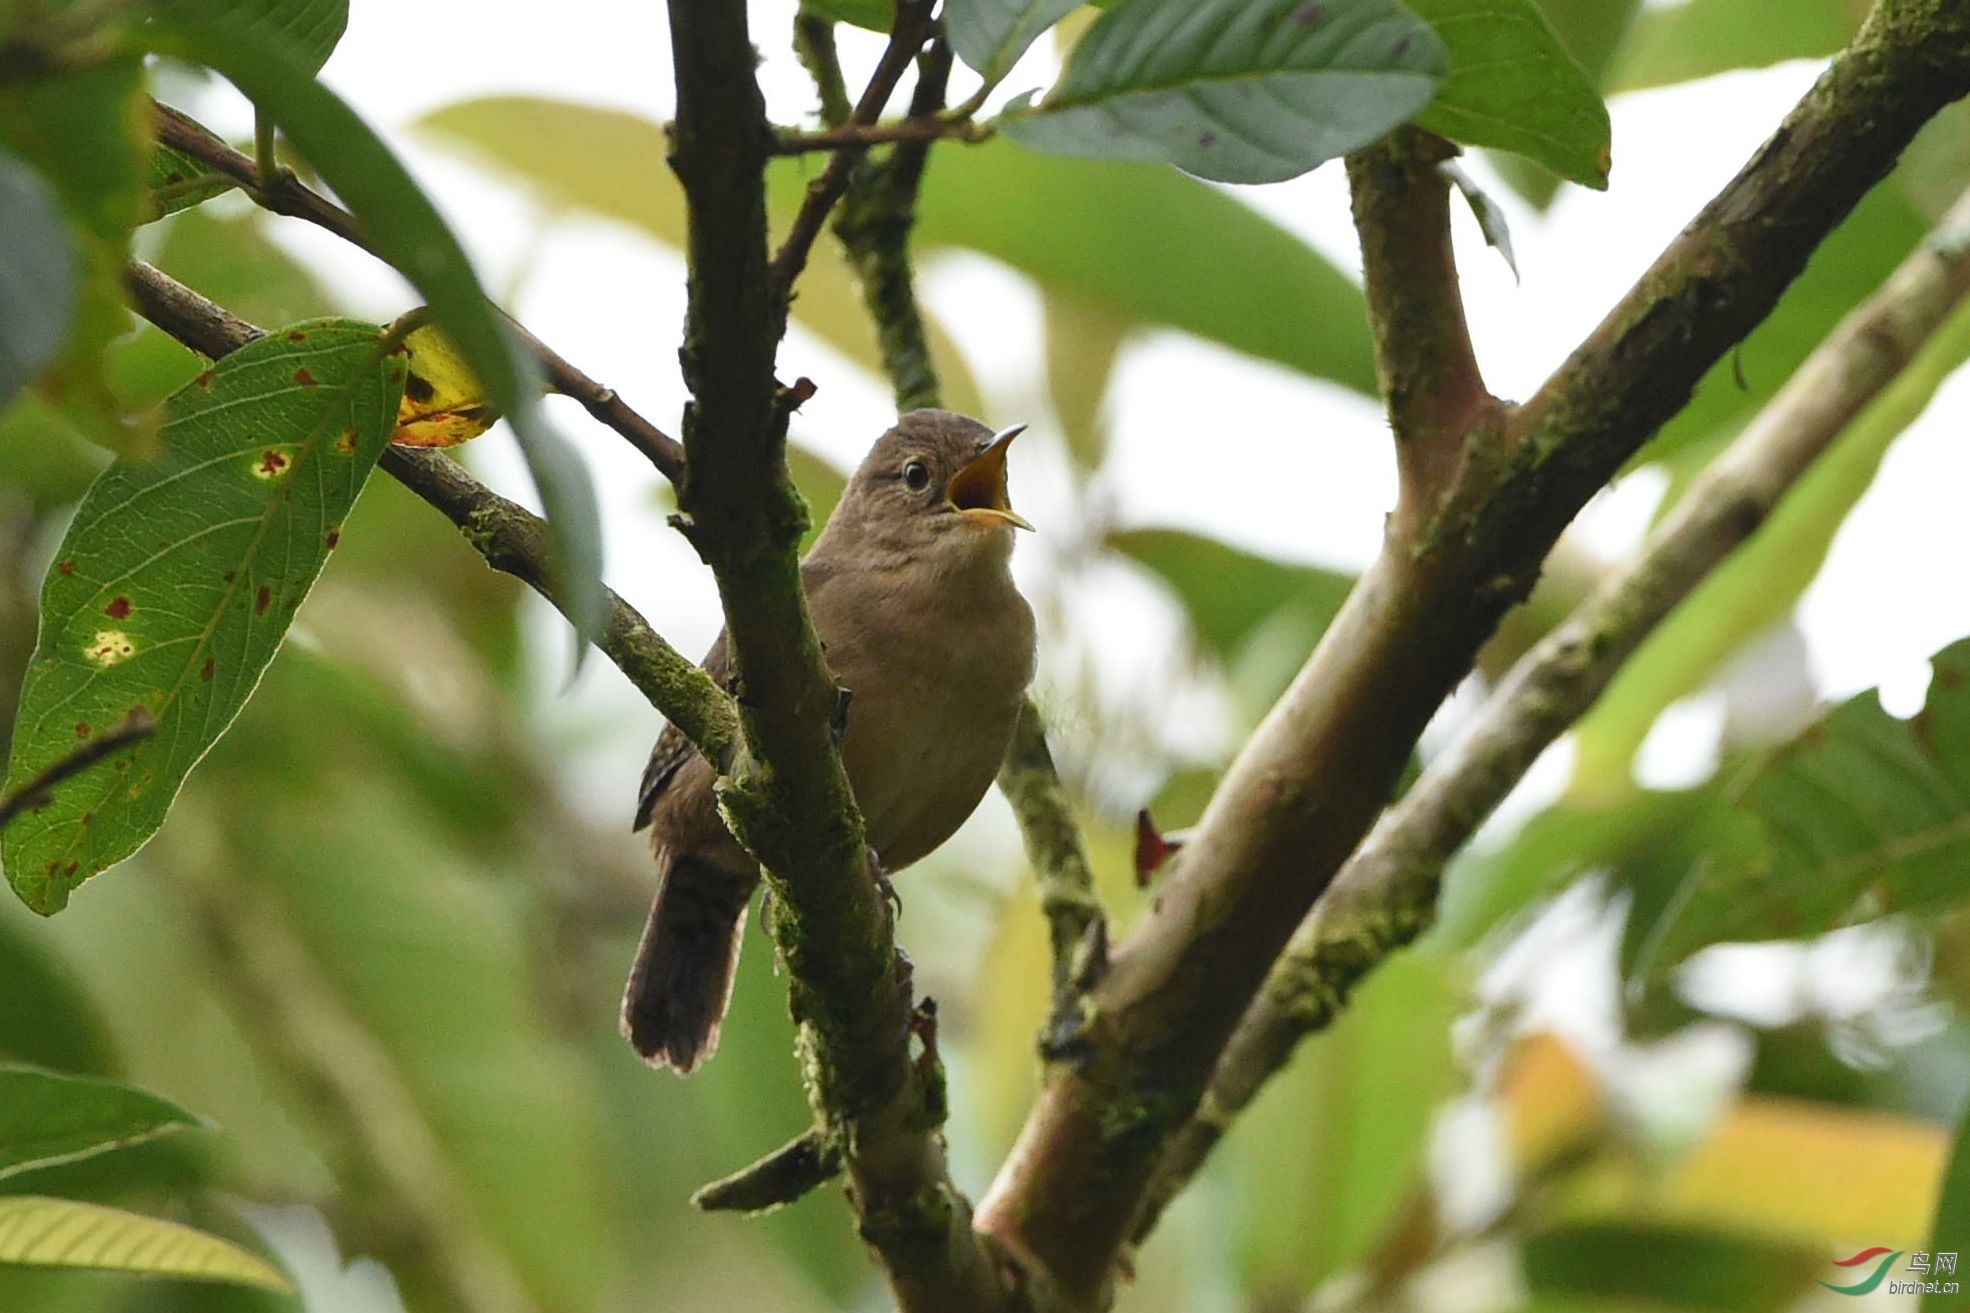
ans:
(979, 489)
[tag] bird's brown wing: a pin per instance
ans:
(673, 749)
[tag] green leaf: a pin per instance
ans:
(37, 276)
(1861, 814)
(1702, 38)
(1236, 90)
(1187, 256)
(1231, 594)
(873, 15)
(406, 230)
(80, 130)
(991, 35)
(47, 1119)
(1083, 344)
(1513, 86)
(1591, 31)
(1952, 1215)
(175, 583)
(179, 182)
(40, 1232)
(306, 30)
(1333, 1147)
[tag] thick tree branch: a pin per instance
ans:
(1313, 777)
(788, 799)
(1386, 894)
(1423, 355)
(510, 537)
(286, 194)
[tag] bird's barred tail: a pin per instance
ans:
(682, 980)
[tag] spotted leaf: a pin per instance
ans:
(177, 579)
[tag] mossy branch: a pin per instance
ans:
(1308, 784)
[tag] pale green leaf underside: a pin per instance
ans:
(1236, 91)
(991, 35)
(42, 1232)
(47, 1118)
(175, 583)
(1513, 86)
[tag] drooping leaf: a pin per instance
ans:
(37, 276)
(991, 35)
(80, 131)
(1591, 31)
(406, 229)
(176, 581)
(1701, 38)
(1188, 256)
(1862, 811)
(46, 1118)
(1513, 86)
(1230, 594)
(1083, 344)
(41, 1232)
(1952, 1220)
(1236, 90)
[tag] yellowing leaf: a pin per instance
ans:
(39, 1232)
(1791, 1171)
(444, 403)
(1552, 1103)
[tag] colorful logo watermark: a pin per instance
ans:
(1924, 1265)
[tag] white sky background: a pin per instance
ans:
(1201, 438)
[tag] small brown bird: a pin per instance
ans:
(911, 591)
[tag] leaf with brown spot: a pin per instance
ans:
(201, 605)
(444, 403)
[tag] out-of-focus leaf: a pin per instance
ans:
(80, 131)
(1758, 585)
(41, 1232)
(874, 15)
(232, 260)
(1334, 1144)
(991, 35)
(1513, 86)
(37, 276)
(1228, 593)
(1860, 810)
(50, 1020)
(1083, 343)
(1763, 1175)
(46, 1118)
(407, 230)
(820, 485)
(1614, 1266)
(179, 182)
(1551, 1102)
(1952, 1217)
(176, 581)
(444, 403)
(42, 457)
(1235, 90)
(1701, 38)
(1188, 256)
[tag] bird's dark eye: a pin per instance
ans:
(917, 475)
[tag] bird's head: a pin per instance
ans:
(934, 485)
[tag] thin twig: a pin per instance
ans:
(135, 727)
(511, 538)
(861, 136)
(1386, 894)
(287, 195)
(906, 37)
